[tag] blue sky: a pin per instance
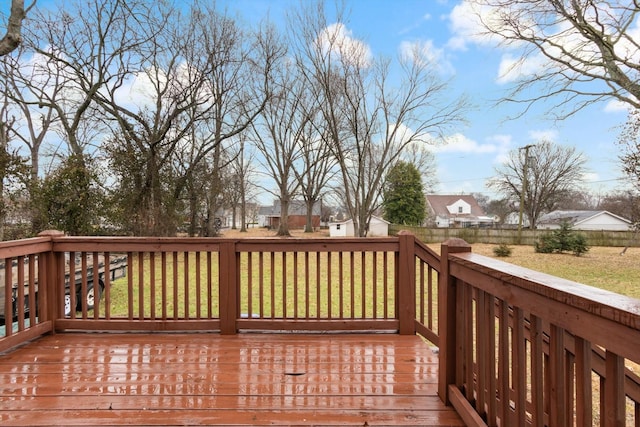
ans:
(474, 150)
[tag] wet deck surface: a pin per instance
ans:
(208, 379)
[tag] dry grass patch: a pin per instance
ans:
(602, 267)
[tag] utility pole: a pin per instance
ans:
(524, 187)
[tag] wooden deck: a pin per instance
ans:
(210, 379)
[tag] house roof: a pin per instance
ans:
(373, 219)
(296, 207)
(439, 204)
(575, 217)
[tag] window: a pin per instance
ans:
(337, 226)
(459, 209)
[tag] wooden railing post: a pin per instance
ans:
(48, 288)
(613, 410)
(447, 317)
(406, 283)
(229, 288)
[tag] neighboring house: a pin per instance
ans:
(377, 227)
(269, 216)
(584, 220)
(457, 211)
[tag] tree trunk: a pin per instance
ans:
(234, 217)
(243, 215)
(308, 228)
(12, 38)
(283, 226)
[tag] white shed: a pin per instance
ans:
(377, 227)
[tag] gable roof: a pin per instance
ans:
(576, 217)
(374, 219)
(439, 204)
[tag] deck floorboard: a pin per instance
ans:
(209, 379)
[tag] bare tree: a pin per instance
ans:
(241, 67)
(242, 182)
(22, 82)
(157, 124)
(317, 169)
(370, 122)
(26, 82)
(541, 179)
(419, 155)
(572, 53)
(278, 135)
(13, 36)
(87, 47)
(316, 165)
(12, 167)
(629, 143)
(623, 203)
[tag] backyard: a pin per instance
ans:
(602, 267)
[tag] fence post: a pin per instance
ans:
(447, 317)
(406, 283)
(48, 286)
(229, 287)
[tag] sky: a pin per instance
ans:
(474, 149)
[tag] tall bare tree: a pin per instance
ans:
(370, 121)
(157, 124)
(88, 45)
(242, 179)
(278, 135)
(540, 177)
(572, 53)
(25, 82)
(316, 167)
(241, 65)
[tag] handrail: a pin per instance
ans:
(516, 347)
(24, 262)
(426, 279)
(241, 281)
(528, 348)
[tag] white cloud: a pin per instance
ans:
(590, 177)
(616, 106)
(337, 39)
(424, 52)
(513, 68)
(466, 23)
(459, 143)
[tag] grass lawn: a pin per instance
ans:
(602, 267)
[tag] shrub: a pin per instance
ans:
(562, 240)
(502, 251)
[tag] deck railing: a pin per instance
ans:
(525, 348)
(226, 285)
(516, 347)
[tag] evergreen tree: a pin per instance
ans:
(69, 199)
(403, 198)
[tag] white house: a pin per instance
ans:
(457, 211)
(377, 227)
(584, 220)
